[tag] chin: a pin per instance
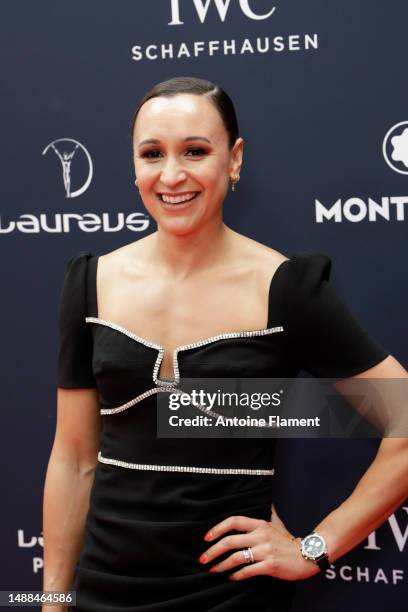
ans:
(177, 227)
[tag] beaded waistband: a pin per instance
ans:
(184, 468)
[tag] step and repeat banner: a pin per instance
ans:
(321, 99)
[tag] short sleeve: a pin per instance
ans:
(325, 335)
(75, 344)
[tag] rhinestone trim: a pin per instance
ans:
(184, 347)
(226, 336)
(184, 468)
(137, 399)
(137, 338)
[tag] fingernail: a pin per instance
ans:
(213, 569)
(203, 558)
(208, 536)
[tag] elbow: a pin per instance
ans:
(86, 466)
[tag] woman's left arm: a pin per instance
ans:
(380, 491)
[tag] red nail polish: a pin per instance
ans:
(208, 536)
(213, 569)
(203, 558)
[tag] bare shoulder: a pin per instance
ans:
(259, 255)
(128, 255)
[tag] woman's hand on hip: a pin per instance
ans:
(275, 550)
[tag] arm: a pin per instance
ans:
(68, 482)
(380, 491)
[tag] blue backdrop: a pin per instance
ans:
(321, 99)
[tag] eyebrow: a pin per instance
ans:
(156, 141)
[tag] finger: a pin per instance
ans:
(227, 543)
(253, 569)
(238, 558)
(239, 523)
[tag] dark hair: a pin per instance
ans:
(200, 87)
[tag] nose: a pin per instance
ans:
(172, 173)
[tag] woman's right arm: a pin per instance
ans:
(68, 482)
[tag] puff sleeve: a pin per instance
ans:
(324, 334)
(75, 345)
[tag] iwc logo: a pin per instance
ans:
(395, 147)
(234, 43)
(222, 7)
(65, 149)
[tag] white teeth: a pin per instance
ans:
(177, 200)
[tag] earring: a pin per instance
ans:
(234, 182)
(136, 183)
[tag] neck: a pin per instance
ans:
(180, 255)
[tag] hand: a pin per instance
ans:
(276, 551)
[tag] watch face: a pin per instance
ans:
(313, 546)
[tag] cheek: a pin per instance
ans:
(214, 174)
(147, 176)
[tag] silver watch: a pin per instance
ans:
(313, 547)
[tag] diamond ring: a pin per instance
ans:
(248, 555)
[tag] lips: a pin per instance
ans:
(179, 198)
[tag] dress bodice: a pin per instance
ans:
(309, 328)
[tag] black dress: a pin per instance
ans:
(144, 527)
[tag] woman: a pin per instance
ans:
(193, 299)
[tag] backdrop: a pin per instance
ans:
(321, 99)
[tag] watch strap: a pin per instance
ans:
(323, 563)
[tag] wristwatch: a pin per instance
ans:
(313, 547)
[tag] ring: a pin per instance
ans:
(248, 555)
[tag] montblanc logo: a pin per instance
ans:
(395, 147)
(222, 6)
(388, 208)
(65, 149)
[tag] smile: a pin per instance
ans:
(185, 197)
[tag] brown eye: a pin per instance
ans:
(151, 154)
(197, 151)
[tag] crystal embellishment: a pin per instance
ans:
(139, 398)
(170, 385)
(226, 336)
(184, 347)
(184, 468)
(135, 337)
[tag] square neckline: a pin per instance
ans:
(92, 291)
(92, 284)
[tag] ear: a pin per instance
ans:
(237, 153)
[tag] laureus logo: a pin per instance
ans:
(65, 149)
(395, 147)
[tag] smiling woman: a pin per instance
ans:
(128, 516)
(191, 150)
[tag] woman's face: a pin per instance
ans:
(181, 153)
